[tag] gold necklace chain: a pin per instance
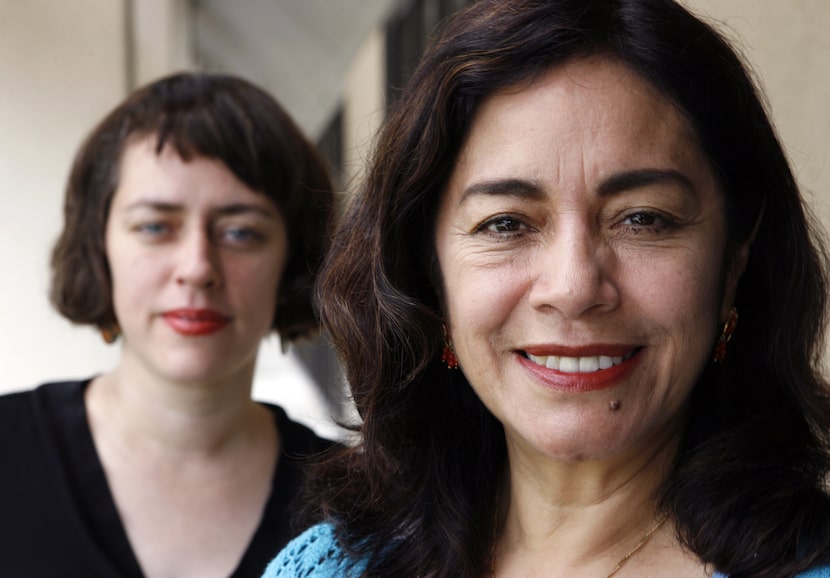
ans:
(646, 537)
(643, 541)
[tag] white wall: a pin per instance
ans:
(61, 66)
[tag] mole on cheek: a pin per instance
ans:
(614, 405)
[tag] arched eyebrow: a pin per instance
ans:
(521, 188)
(641, 178)
(232, 209)
(162, 207)
(614, 184)
(243, 208)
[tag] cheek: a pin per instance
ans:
(480, 302)
(133, 278)
(256, 287)
(683, 297)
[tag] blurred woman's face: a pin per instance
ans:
(196, 259)
(582, 240)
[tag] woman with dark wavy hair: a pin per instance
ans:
(196, 215)
(580, 303)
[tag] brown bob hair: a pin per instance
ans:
(216, 116)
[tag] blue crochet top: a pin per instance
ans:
(317, 554)
(314, 554)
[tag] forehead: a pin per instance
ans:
(145, 172)
(592, 114)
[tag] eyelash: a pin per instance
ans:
(635, 222)
(655, 222)
(235, 236)
(152, 228)
(249, 235)
(520, 227)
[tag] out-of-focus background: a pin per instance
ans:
(334, 65)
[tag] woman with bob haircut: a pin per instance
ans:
(196, 216)
(580, 304)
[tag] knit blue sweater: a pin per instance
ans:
(317, 554)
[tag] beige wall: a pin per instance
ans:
(787, 43)
(363, 106)
(61, 65)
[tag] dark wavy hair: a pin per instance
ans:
(216, 116)
(416, 496)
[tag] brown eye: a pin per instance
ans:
(503, 224)
(645, 220)
(642, 219)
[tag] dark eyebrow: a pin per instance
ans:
(227, 210)
(154, 205)
(638, 179)
(505, 187)
(242, 208)
(617, 183)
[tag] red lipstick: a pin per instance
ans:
(195, 322)
(570, 379)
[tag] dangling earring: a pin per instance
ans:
(110, 333)
(447, 352)
(725, 336)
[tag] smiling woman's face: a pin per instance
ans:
(582, 244)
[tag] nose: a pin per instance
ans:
(573, 273)
(198, 262)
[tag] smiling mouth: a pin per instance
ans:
(586, 364)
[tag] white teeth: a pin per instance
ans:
(587, 364)
(576, 364)
(569, 364)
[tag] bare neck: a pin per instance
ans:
(150, 414)
(581, 518)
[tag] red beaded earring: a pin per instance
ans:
(725, 336)
(447, 352)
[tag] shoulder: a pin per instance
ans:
(18, 406)
(43, 398)
(33, 423)
(54, 391)
(316, 553)
(17, 418)
(11, 402)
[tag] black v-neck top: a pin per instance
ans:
(57, 515)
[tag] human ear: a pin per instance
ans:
(737, 267)
(733, 277)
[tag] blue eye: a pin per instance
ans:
(241, 236)
(152, 228)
